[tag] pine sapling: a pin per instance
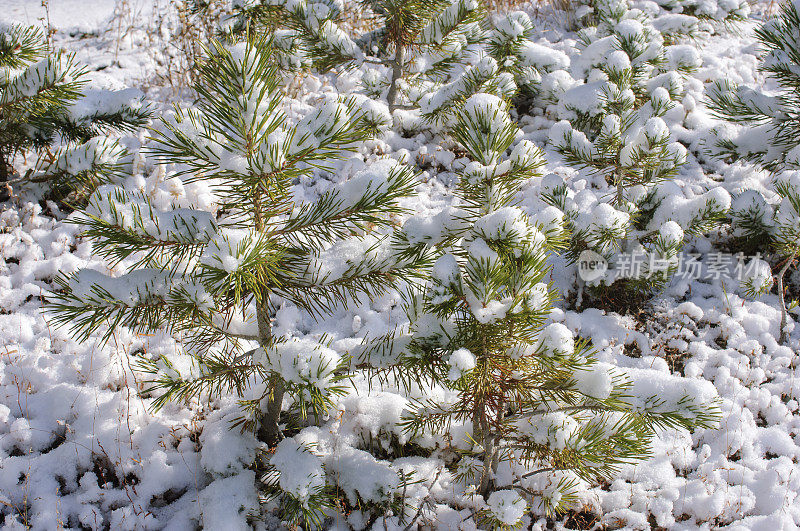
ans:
(537, 69)
(46, 109)
(423, 53)
(214, 278)
(676, 19)
(618, 127)
(714, 13)
(769, 136)
(773, 229)
(531, 393)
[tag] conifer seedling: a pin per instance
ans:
(531, 393)
(214, 278)
(45, 109)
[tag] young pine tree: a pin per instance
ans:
(617, 126)
(423, 53)
(214, 278)
(774, 228)
(306, 33)
(708, 13)
(531, 393)
(537, 69)
(769, 136)
(45, 108)
(676, 19)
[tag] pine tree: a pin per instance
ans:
(214, 279)
(712, 12)
(769, 136)
(531, 393)
(424, 53)
(760, 226)
(618, 126)
(675, 19)
(44, 107)
(534, 66)
(307, 34)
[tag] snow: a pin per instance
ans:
(375, 179)
(84, 157)
(375, 112)
(67, 15)
(301, 472)
(629, 29)
(525, 154)
(507, 224)
(131, 289)
(683, 57)
(680, 209)
(435, 30)
(360, 474)
(225, 249)
(671, 233)
(445, 269)
(129, 210)
(618, 61)
(461, 361)
(595, 382)
(758, 276)
(224, 453)
(513, 25)
(486, 106)
(227, 502)
(562, 134)
(543, 57)
(479, 251)
(585, 99)
(301, 361)
(431, 229)
(557, 338)
(445, 96)
(605, 216)
(506, 506)
(550, 220)
(665, 392)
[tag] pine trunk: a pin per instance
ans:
(784, 313)
(397, 74)
(3, 167)
(4, 188)
(490, 456)
(269, 423)
(269, 430)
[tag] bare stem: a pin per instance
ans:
(269, 430)
(397, 74)
(784, 313)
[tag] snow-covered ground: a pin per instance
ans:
(65, 15)
(80, 449)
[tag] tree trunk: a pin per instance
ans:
(397, 74)
(269, 427)
(4, 190)
(488, 456)
(3, 167)
(269, 423)
(784, 313)
(620, 190)
(490, 459)
(491, 456)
